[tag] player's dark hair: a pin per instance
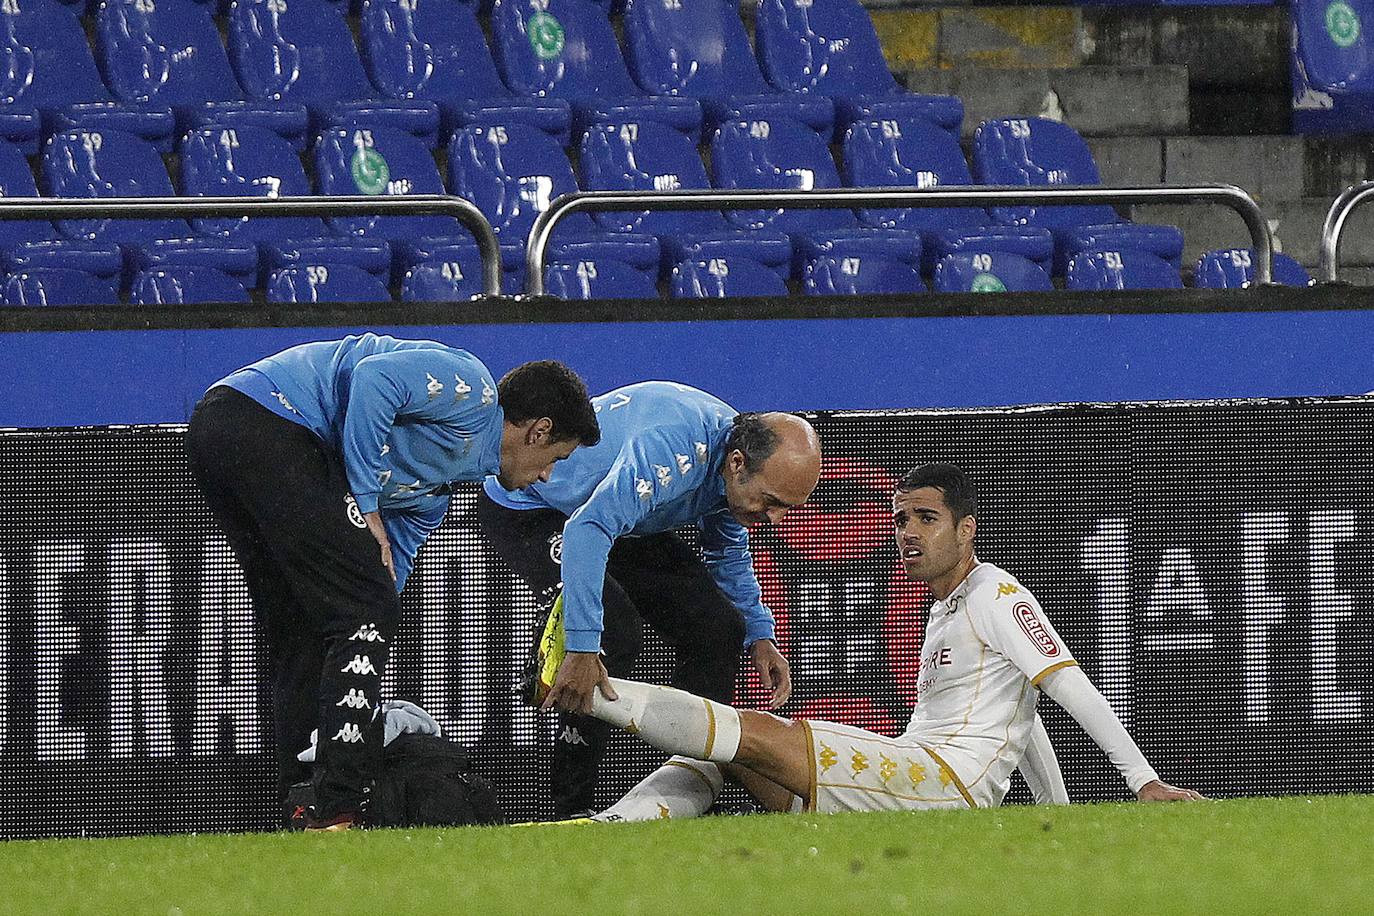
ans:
(950, 480)
(546, 388)
(754, 438)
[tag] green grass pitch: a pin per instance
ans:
(1288, 855)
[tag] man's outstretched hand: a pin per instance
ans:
(1155, 791)
(579, 675)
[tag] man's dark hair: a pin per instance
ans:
(950, 480)
(546, 388)
(753, 437)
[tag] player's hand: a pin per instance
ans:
(580, 674)
(1156, 791)
(774, 672)
(378, 531)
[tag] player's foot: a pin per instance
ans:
(546, 658)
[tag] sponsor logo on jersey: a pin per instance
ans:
(1035, 629)
(355, 515)
(556, 547)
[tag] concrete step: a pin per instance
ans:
(1097, 101)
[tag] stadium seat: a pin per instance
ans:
(1332, 67)
(99, 259)
(1038, 152)
(566, 49)
(108, 163)
(245, 162)
(701, 51)
(772, 250)
(829, 48)
(302, 51)
(1234, 268)
(57, 286)
(168, 52)
(990, 272)
(185, 286)
(442, 281)
(776, 155)
(434, 50)
(238, 259)
(325, 283)
(51, 73)
(861, 262)
(912, 153)
(1123, 269)
(600, 278)
(724, 278)
(16, 180)
(371, 256)
(386, 162)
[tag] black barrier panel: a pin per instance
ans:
(1211, 565)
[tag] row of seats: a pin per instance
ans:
(292, 66)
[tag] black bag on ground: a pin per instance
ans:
(425, 782)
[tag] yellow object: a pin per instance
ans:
(552, 648)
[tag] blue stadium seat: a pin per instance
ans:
(381, 161)
(238, 259)
(772, 250)
(51, 73)
(325, 283)
(302, 51)
(1038, 152)
(461, 251)
(862, 262)
(434, 50)
(371, 256)
(567, 49)
(16, 180)
(99, 259)
(1126, 268)
(1234, 268)
(776, 155)
(990, 272)
(108, 163)
(57, 286)
(912, 153)
(168, 52)
(725, 277)
(600, 278)
(185, 286)
(442, 281)
(1332, 67)
(829, 48)
(245, 162)
(701, 51)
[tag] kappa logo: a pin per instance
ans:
(664, 475)
(433, 386)
(349, 734)
(684, 465)
(701, 450)
(354, 699)
(556, 547)
(281, 399)
(572, 736)
(461, 389)
(1006, 588)
(355, 515)
(1035, 629)
(386, 449)
(384, 478)
(488, 393)
(643, 488)
(361, 664)
(367, 633)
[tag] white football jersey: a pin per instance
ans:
(986, 648)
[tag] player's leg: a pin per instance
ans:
(680, 788)
(674, 592)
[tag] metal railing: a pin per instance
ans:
(541, 232)
(1334, 226)
(207, 207)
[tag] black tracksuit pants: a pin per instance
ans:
(327, 607)
(655, 579)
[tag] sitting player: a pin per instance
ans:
(988, 653)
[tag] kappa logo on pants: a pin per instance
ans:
(349, 734)
(355, 515)
(355, 700)
(572, 736)
(367, 633)
(361, 664)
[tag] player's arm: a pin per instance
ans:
(1040, 767)
(725, 550)
(407, 531)
(419, 384)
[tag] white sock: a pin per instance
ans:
(682, 787)
(672, 720)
